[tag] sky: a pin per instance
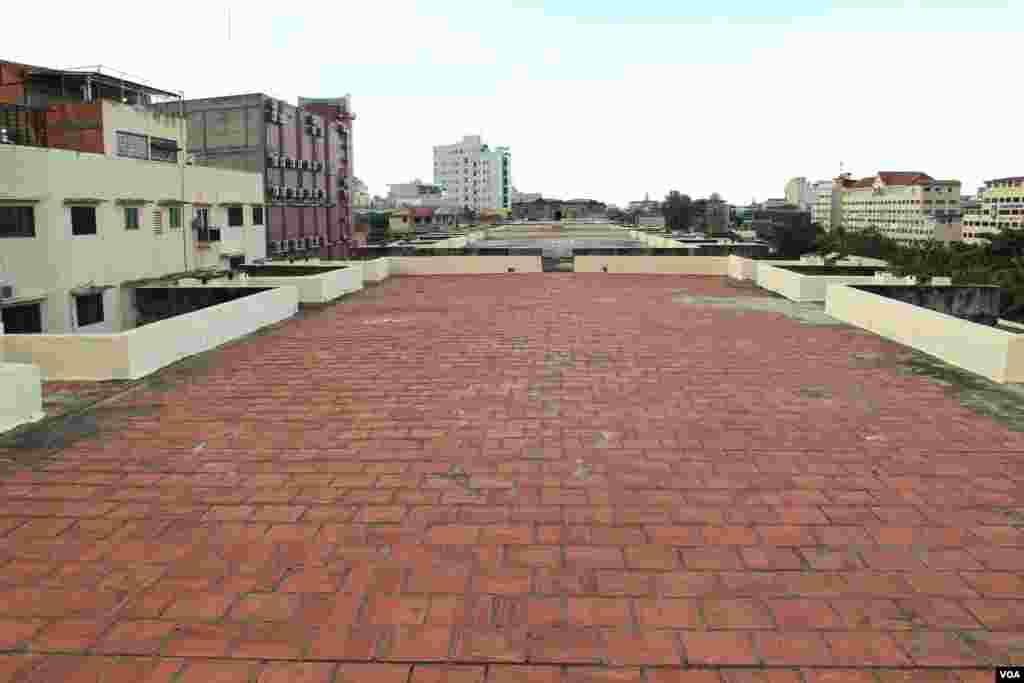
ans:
(597, 99)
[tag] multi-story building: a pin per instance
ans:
(799, 193)
(644, 206)
(475, 176)
(999, 206)
(823, 206)
(96, 198)
(907, 206)
(304, 154)
(520, 197)
(360, 194)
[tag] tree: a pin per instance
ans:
(676, 209)
(792, 236)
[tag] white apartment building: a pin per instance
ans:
(800, 193)
(78, 230)
(906, 206)
(1001, 207)
(475, 176)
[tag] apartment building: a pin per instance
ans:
(98, 199)
(475, 176)
(799, 193)
(907, 206)
(303, 153)
(1000, 206)
(824, 204)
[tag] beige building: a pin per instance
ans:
(906, 206)
(1001, 207)
(823, 207)
(76, 229)
(799, 193)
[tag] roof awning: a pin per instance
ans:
(84, 200)
(167, 145)
(170, 202)
(132, 201)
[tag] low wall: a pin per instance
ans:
(987, 351)
(314, 289)
(463, 265)
(21, 394)
(376, 270)
(799, 287)
(136, 353)
(682, 265)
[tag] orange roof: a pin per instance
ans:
(905, 177)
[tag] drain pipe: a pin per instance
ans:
(181, 165)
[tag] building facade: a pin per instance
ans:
(999, 206)
(303, 153)
(907, 206)
(113, 205)
(475, 176)
(799, 193)
(823, 206)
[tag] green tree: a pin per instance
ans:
(790, 238)
(676, 209)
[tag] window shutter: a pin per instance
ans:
(158, 221)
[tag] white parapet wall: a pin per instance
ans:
(983, 350)
(317, 288)
(464, 265)
(377, 270)
(679, 265)
(141, 351)
(21, 395)
(802, 287)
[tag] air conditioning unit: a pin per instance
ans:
(289, 193)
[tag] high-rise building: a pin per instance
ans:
(1001, 206)
(907, 206)
(475, 176)
(821, 209)
(304, 154)
(799, 193)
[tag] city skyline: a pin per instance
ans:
(598, 104)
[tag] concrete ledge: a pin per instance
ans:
(376, 270)
(464, 265)
(986, 351)
(804, 288)
(681, 265)
(139, 352)
(21, 394)
(317, 288)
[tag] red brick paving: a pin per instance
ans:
(559, 477)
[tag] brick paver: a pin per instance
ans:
(538, 478)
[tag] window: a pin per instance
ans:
(89, 309)
(17, 221)
(174, 217)
(257, 215)
(202, 217)
(132, 145)
(23, 319)
(158, 221)
(235, 216)
(83, 220)
(131, 218)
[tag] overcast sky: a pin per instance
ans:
(601, 99)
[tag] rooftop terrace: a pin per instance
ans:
(525, 478)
